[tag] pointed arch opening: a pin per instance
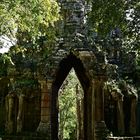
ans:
(71, 61)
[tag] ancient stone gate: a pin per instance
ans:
(93, 69)
(91, 74)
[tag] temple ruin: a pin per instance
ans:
(110, 81)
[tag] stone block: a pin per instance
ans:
(45, 96)
(45, 111)
(45, 119)
(45, 103)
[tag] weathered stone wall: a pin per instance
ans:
(20, 97)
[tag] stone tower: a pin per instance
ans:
(74, 22)
(74, 51)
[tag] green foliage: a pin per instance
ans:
(28, 15)
(67, 107)
(106, 15)
(5, 60)
(30, 22)
(132, 37)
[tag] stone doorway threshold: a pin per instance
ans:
(124, 138)
(23, 138)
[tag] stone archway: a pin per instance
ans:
(71, 61)
(90, 69)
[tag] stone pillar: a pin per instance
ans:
(133, 123)
(20, 113)
(99, 99)
(10, 112)
(118, 97)
(120, 117)
(44, 126)
(88, 115)
(100, 126)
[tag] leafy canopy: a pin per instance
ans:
(30, 16)
(123, 15)
(105, 15)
